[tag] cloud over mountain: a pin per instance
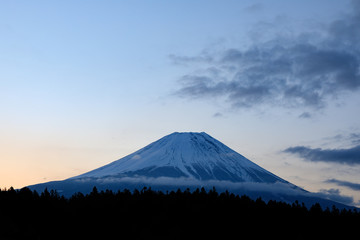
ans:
(334, 194)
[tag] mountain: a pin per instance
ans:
(187, 160)
(190, 155)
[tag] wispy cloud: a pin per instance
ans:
(349, 156)
(218, 115)
(355, 138)
(252, 189)
(335, 195)
(305, 115)
(185, 60)
(290, 72)
(346, 139)
(277, 187)
(351, 185)
(256, 7)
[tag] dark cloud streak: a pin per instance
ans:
(351, 185)
(350, 156)
(305, 115)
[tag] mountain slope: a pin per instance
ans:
(194, 155)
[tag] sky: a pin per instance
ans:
(84, 83)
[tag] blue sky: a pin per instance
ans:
(83, 83)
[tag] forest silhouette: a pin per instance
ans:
(144, 214)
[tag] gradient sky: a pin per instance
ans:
(84, 83)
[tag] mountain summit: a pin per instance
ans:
(190, 155)
(187, 161)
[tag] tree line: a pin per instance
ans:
(145, 213)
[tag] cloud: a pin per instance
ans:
(305, 115)
(291, 72)
(351, 185)
(334, 195)
(247, 187)
(355, 138)
(184, 60)
(218, 115)
(136, 157)
(286, 191)
(345, 32)
(254, 7)
(348, 139)
(350, 156)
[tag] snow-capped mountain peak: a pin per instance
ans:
(188, 154)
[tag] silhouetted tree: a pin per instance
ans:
(27, 215)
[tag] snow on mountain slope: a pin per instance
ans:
(191, 155)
